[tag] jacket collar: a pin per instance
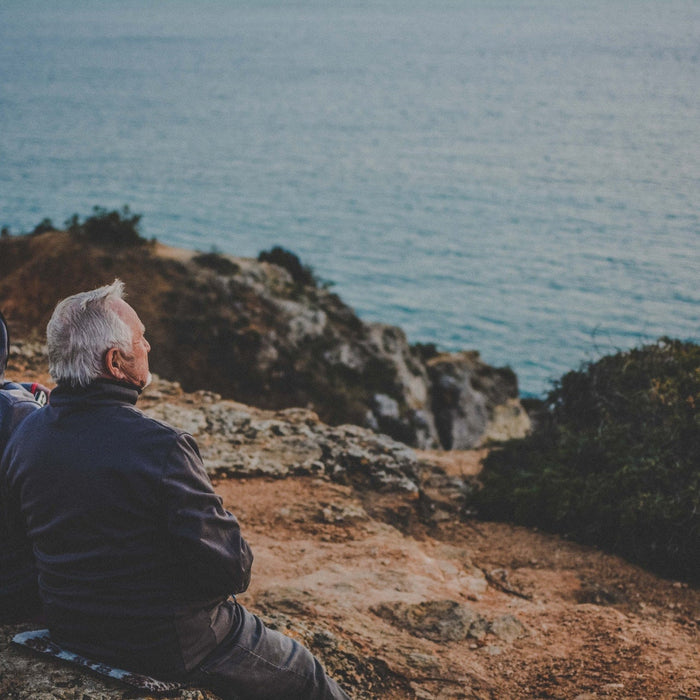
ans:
(99, 391)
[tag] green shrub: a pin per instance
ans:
(301, 274)
(614, 460)
(118, 229)
(43, 226)
(216, 262)
(426, 351)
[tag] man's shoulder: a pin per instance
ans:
(15, 396)
(162, 441)
(152, 425)
(16, 406)
(12, 391)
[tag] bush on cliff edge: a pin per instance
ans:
(118, 229)
(302, 275)
(615, 461)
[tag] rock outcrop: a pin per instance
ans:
(473, 402)
(237, 440)
(258, 333)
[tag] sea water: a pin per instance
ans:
(521, 177)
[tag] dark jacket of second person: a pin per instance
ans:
(18, 579)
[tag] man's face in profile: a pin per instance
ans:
(134, 365)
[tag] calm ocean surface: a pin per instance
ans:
(517, 176)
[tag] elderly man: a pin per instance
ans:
(138, 561)
(19, 597)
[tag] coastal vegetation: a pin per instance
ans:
(217, 262)
(119, 229)
(303, 275)
(614, 460)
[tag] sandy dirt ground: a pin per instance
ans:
(593, 626)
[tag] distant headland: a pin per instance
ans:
(263, 331)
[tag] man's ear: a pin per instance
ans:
(113, 362)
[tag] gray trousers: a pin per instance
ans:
(256, 663)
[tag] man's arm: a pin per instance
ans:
(216, 559)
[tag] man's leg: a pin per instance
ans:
(257, 663)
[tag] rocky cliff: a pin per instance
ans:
(265, 335)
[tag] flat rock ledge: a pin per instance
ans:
(240, 441)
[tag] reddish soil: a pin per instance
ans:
(595, 626)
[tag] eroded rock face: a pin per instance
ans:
(473, 402)
(252, 332)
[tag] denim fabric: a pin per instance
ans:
(256, 663)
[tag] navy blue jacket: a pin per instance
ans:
(18, 578)
(16, 402)
(134, 550)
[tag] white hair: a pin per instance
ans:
(82, 329)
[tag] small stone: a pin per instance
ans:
(421, 694)
(425, 662)
(508, 628)
(479, 628)
(438, 620)
(325, 640)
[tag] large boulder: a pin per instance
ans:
(473, 402)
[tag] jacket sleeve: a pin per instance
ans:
(204, 537)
